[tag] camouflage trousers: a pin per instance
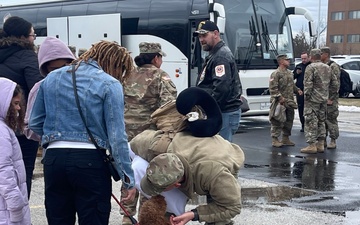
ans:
(285, 128)
(315, 115)
(331, 124)
(131, 206)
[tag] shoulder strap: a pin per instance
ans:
(79, 109)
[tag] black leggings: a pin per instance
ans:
(29, 150)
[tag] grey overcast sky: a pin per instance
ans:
(299, 22)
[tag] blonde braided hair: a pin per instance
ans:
(112, 57)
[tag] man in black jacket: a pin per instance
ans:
(299, 76)
(220, 77)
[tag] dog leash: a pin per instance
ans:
(133, 220)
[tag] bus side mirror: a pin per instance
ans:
(312, 28)
(221, 24)
(217, 15)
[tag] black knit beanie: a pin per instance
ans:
(17, 27)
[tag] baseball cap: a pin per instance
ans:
(163, 171)
(205, 27)
(282, 56)
(151, 47)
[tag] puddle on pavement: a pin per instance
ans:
(264, 195)
(273, 194)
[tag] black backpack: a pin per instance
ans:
(345, 82)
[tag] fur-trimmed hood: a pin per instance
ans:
(10, 45)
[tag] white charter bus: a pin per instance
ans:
(255, 31)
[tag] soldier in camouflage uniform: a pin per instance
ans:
(145, 90)
(331, 123)
(318, 78)
(282, 89)
(191, 167)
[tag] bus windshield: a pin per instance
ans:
(256, 32)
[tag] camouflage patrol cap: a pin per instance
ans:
(325, 50)
(81, 51)
(315, 52)
(282, 56)
(151, 47)
(72, 49)
(163, 171)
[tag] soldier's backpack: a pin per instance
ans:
(345, 82)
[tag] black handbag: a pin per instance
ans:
(245, 105)
(108, 159)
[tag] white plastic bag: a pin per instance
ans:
(280, 114)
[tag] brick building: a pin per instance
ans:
(343, 27)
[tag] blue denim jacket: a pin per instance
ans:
(55, 115)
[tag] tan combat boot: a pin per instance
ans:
(276, 143)
(332, 144)
(126, 221)
(286, 141)
(311, 149)
(320, 146)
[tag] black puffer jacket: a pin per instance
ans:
(18, 62)
(220, 78)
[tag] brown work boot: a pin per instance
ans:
(311, 149)
(276, 143)
(286, 141)
(126, 221)
(320, 146)
(332, 144)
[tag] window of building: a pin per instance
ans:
(337, 16)
(353, 38)
(336, 38)
(354, 15)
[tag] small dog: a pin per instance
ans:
(152, 212)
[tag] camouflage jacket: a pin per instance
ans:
(316, 82)
(334, 86)
(210, 172)
(282, 84)
(147, 88)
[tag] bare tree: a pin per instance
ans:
(301, 43)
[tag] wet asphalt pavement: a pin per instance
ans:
(328, 182)
(279, 185)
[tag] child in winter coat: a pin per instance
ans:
(14, 205)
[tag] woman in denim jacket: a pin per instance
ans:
(76, 178)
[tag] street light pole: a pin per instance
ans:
(318, 27)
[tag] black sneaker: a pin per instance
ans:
(302, 130)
